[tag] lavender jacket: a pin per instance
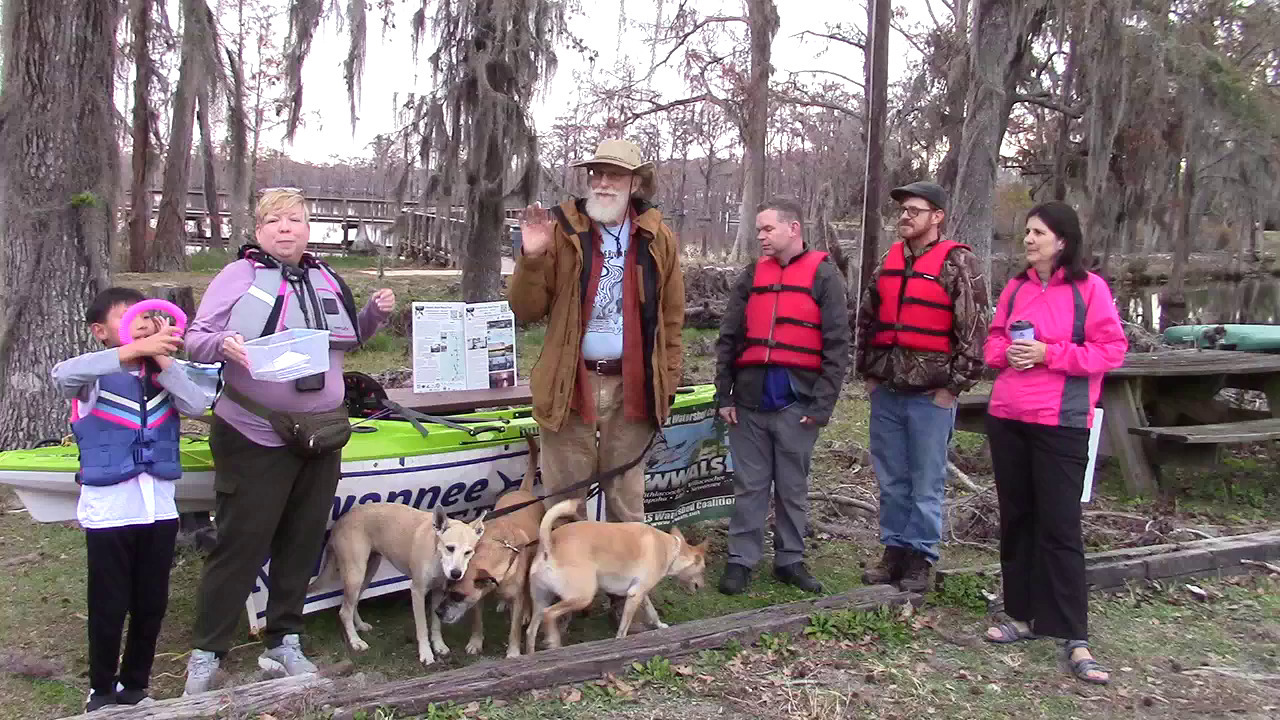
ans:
(204, 344)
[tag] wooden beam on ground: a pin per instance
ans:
(503, 677)
(1215, 557)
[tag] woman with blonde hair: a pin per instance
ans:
(274, 492)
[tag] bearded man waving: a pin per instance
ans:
(605, 273)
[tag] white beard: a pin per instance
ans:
(606, 210)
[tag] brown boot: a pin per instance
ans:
(889, 569)
(917, 577)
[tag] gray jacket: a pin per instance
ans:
(816, 392)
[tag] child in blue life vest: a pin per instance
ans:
(125, 402)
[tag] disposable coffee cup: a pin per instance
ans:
(1022, 330)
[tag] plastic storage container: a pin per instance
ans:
(205, 375)
(288, 355)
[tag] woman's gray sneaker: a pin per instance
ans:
(201, 667)
(287, 658)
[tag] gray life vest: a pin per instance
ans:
(283, 296)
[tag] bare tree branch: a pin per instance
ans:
(846, 78)
(860, 44)
(911, 39)
(811, 102)
(1048, 103)
(663, 107)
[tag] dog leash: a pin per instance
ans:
(591, 480)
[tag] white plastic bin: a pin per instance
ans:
(288, 355)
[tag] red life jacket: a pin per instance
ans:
(784, 322)
(916, 311)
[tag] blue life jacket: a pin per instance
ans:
(133, 428)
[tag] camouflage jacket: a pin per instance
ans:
(914, 371)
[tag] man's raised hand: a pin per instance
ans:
(536, 228)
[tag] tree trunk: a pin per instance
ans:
(1064, 123)
(999, 50)
(58, 177)
(216, 241)
(1186, 195)
(957, 90)
(682, 209)
(879, 12)
(170, 251)
(140, 188)
(763, 15)
(238, 198)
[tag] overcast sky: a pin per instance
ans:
(391, 72)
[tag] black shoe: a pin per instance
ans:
(735, 579)
(131, 696)
(798, 575)
(918, 576)
(889, 569)
(99, 700)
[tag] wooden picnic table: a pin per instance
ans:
(460, 401)
(1152, 396)
(1168, 389)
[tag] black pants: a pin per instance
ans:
(128, 575)
(1039, 473)
(270, 502)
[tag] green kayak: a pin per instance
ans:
(1246, 338)
(44, 478)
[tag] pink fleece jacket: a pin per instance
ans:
(1065, 388)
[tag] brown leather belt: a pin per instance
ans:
(605, 367)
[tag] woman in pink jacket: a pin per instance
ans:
(1055, 334)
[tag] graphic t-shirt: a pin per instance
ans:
(603, 338)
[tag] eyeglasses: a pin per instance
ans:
(610, 174)
(913, 212)
(264, 191)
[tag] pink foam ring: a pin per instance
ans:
(154, 304)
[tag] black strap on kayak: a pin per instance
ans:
(593, 479)
(416, 418)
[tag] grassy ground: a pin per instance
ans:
(929, 665)
(848, 666)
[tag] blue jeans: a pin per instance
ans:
(909, 439)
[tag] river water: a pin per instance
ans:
(1255, 301)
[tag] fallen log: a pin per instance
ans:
(503, 677)
(586, 661)
(232, 702)
(1214, 557)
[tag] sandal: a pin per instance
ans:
(1082, 668)
(1009, 633)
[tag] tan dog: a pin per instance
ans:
(501, 564)
(428, 547)
(623, 559)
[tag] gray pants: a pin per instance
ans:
(771, 450)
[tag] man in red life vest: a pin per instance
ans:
(920, 332)
(780, 360)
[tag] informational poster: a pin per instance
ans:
(460, 346)
(439, 352)
(491, 345)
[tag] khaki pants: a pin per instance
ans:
(573, 453)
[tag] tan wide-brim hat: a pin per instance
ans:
(619, 153)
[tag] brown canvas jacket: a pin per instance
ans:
(549, 286)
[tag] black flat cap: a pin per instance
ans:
(922, 189)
